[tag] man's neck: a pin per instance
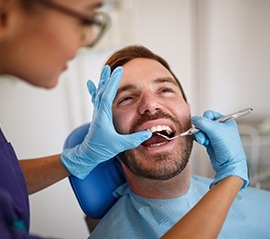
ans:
(160, 189)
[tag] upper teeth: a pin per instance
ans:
(159, 128)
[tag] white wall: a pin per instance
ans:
(218, 48)
(235, 54)
(234, 70)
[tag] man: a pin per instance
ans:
(160, 189)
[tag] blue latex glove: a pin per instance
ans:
(223, 145)
(102, 142)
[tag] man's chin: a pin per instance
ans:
(161, 167)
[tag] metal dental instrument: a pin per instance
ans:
(224, 118)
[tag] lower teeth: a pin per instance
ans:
(158, 144)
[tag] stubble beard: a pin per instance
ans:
(162, 166)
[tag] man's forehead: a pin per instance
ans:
(144, 69)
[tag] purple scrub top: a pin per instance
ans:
(14, 202)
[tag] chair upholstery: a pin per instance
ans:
(95, 192)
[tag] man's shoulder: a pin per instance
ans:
(157, 214)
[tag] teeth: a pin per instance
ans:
(159, 128)
(158, 144)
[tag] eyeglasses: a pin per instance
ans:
(94, 28)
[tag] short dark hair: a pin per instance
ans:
(126, 54)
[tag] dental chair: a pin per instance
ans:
(95, 192)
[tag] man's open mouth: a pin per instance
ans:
(157, 140)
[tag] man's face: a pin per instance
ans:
(46, 39)
(149, 98)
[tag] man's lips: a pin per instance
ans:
(155, 140)
(163, 126)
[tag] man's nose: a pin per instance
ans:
(149, 104)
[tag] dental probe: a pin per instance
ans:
(224, 118)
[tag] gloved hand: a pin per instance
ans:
(102, 142)
(223, 145)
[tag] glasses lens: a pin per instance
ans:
(93, 31)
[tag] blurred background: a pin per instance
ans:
(220, 51)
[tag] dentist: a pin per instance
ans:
(37, 39)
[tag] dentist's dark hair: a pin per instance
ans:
(126, 54)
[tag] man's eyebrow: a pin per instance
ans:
(158, 80)
(126, 88)
(166, 80)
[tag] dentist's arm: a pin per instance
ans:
(224, 146)
(40, 173)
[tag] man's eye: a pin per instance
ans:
(125, 100)
(167, 90)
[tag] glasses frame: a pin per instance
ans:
(100, 19)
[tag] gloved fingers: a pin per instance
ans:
(112, 85)
(105, 76)
(202, 123)
(212, 115)
(95, 92)
(91, 89)
(201, 138)
(108, 95)
(136, 139)
(208, 126)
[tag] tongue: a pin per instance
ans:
(154, 140)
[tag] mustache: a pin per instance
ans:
(148, 117)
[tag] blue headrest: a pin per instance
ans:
(95, 192)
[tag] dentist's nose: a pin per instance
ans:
(149, 105)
